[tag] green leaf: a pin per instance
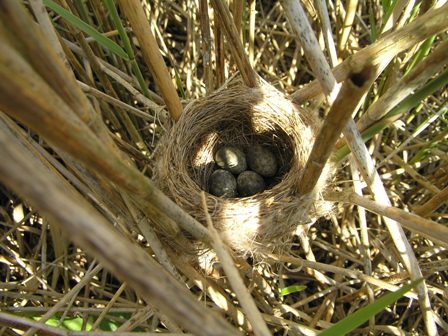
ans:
(76, 323)
(354, 320)
(422, 52)
(88, 29)
(292, 289)
(69, 323)
(179, 84)
(388, 10)
(373, 28)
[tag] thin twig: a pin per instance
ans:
(326, 31)
(216, 293)
(207, 45)
(420, 179)
(383, 50)
(252, 13)
(219, 52)
(348, 23)
(235, 44)
(432, 230)
(109, 306)
(364, 241)
(431, 205)
(113, 101)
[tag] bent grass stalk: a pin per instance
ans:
(110, 5)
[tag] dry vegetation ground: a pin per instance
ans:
(345, 261)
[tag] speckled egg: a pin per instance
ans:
(262, 160)
(222, 184)
(249, 183)
(231, 158)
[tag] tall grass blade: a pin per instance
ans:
(373, 28)
(388, 7)
(407, 104)
(88, 29)
(179, 85)
(421, 53)
(359, 317)
(110, 5)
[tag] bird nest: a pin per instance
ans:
(243, 116)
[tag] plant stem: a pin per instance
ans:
(134, 12)
(110, 5)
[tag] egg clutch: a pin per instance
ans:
(243, 172)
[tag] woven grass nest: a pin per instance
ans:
(241, 116)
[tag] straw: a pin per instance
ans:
(235, 44)
(133, 11)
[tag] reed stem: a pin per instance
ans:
(133, 11)
(235, 44)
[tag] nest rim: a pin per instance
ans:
(290, 128)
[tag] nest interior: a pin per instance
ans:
(241, 116)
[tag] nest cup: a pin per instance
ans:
(242, 116)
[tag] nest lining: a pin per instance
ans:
(242, 116)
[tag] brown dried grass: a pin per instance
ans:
(238, 115)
